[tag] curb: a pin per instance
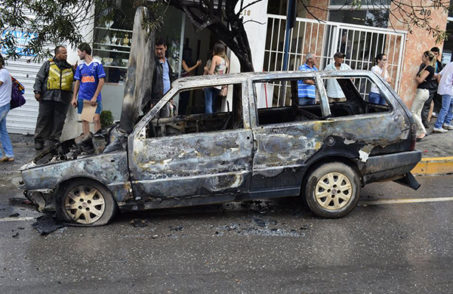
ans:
(434, 166)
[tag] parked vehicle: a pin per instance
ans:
(323, 152)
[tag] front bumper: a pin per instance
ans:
(42, 199)
(392, 167)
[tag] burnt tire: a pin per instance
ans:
(332, 190)
(85, 202)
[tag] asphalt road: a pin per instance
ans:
(251, 247)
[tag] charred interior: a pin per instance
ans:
(229, 119)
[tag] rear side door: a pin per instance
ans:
(192, 168)
(284, 138)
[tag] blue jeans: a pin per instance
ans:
(307, 101)
(376, 98)
(4, 137)
(445, 114)
(210, 99)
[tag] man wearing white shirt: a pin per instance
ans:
(334, 91)
(445, 89)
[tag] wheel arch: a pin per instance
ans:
(351, 162)
(62, 184)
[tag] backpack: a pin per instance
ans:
(17, 94)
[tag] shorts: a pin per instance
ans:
(80, 107)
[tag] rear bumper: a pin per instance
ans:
(390, 166)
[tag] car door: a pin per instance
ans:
(188, 169)
(283, 144)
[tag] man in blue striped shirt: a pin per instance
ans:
(306, 88)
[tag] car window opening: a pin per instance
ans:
(275, 106)
(226, 115)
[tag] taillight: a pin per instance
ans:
(413, 136)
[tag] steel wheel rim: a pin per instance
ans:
(333, 191)
(84, 204)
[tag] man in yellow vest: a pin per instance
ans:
(53, 91)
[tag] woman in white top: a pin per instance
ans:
(381, 70)
(218, 66)
(5, 99)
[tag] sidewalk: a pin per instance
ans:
(437, 153)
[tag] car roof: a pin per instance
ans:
(234, 78)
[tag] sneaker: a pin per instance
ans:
(7, 159)
(448, 126)
(434, 114)
(439, 130)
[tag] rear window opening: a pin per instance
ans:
(278, 100)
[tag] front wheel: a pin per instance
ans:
(86, 202)
(332, 190)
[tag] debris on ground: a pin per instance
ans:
(139, 223)
(16, 235)
(14, 215)
(259, 222)
(20, 201)
(260, 227)
(46, 224)
(259, 206)
(176, 228)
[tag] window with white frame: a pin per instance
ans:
(370, 13)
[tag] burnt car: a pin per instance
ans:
(323, 152)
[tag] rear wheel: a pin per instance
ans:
(332, 190)
(86, 202)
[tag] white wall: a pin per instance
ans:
(256, 32)
(87, 29)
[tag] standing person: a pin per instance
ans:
(423, 80)
(437, 99)
(334, 91)
(5, 99)
(219, 65)
(162, 77)
(445, 89)
(381, 70)
(53, 90)
(89, 78)
(306, 89)
(188, 70)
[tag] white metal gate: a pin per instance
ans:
(360, 44)
(22, 120)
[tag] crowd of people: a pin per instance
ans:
(434, 91)
(307, 89)
(55, 90)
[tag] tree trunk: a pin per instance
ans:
(230, 30)
(139, 79)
